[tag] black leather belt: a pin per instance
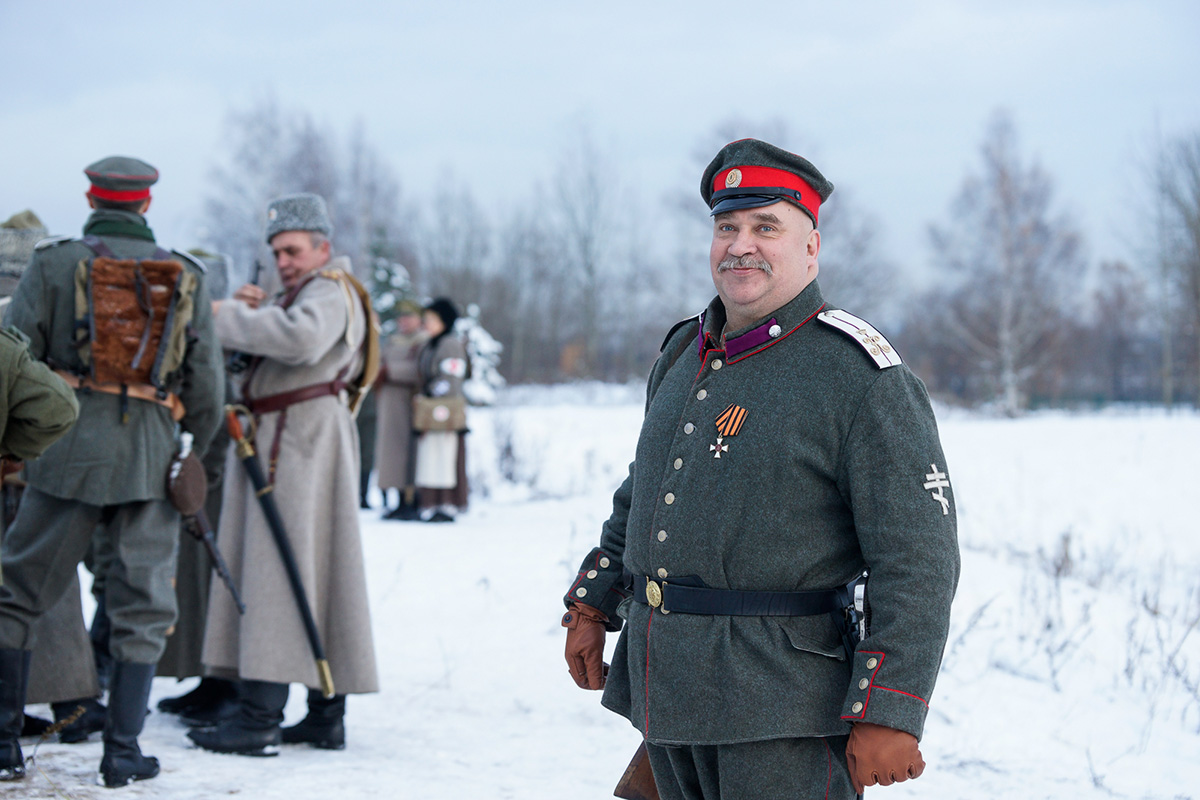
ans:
(681, 599)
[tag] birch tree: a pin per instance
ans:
(1009, 267)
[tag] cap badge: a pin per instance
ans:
(272, 214)
(733, 178)
(729, 423)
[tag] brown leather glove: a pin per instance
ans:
(878, 754)
(585, 645)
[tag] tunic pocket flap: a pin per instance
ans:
(814, 634)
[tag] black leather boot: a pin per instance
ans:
(99, 634)
(129, 691)
(324, 727)
(254, 729)
(208, 693)
(90, 720)
(14, 675)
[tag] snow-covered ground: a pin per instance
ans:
(1073, 669)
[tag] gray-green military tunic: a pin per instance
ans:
(785, 459)
(36, 407)
(104, 470)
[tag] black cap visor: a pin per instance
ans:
(729, 200)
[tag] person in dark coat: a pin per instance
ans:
(786, 452)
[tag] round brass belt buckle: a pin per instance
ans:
(653, 594)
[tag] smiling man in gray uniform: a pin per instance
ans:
(786, 451)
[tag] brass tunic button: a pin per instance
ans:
(662, 536)
(717, 363)
(872, 663)
(703, 393)
(581, 592)
(592, 574)
(689, 427)
(678, 463)
(604, 563)
(662, 573)
(669, 499)
(864, 683)
(856, 708)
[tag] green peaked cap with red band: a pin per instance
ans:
(750, 173)
(121, 179)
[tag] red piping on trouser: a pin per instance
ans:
(829, 759)
(648, 624)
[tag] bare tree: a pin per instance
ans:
(1178, 179)
(455, 244)
(274, 152)
(583, 187)
(1010, 265)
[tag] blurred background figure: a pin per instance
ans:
(367, 421)
(62, 672)
(441, 469)
(213, 698)
(395, 445)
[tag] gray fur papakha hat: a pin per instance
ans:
(298, 212)
(749, 173)
(121, 179)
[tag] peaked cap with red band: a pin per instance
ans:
(121, 179)
(751, 174)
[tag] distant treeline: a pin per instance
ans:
(582, 280)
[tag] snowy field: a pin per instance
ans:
(1073, 669)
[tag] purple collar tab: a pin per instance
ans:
(755, 337)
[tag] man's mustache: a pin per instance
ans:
(745, 262)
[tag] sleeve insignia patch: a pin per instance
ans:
(935, 482)
(861, 331)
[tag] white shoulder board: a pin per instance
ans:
(862, 332)
(191, 259)
(50, 241)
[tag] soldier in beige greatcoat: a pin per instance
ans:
(400, 380)
(310, 336)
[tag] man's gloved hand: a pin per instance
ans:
(585, 645)
(878, 754)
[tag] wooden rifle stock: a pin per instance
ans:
(638, 781)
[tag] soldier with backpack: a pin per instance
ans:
(128, 325)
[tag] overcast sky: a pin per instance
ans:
(890, 100)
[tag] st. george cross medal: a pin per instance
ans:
(728, 424)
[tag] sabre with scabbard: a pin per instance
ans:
(266, 498)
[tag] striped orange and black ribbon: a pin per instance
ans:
(731, 419)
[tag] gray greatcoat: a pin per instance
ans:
(393, 434)
(825, 477)
(316, 489)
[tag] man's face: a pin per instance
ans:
(295, 255)
(408, 323)
(761, 258)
